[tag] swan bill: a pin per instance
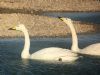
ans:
(60, 18)
(12, 28)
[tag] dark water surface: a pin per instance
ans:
(90, 17)
(12, 64)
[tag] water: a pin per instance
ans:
(92, 17)
(12, 64)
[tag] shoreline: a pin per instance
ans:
(42, 26)
(51, 37)
(39, 12)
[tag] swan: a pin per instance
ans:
(93, 49)
(52, 53)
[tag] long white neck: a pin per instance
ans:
(74, 47)
(25, 53)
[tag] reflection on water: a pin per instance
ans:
(93, 17)
(12, 64)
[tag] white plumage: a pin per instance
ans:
(52, 53)
(93, 49)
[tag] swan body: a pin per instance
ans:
(52, 53)
(93, 49)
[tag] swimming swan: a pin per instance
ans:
(93, 49)
(52, 53)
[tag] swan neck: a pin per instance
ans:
(74, 47)
(25, 53)
(74, 40)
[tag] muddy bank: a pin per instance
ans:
(30, 13)
(51, 5)
(41, 26)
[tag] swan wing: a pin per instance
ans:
(52, 54)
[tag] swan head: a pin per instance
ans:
(19, 27)
(66, 20)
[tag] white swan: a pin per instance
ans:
(93, 49)
(52, 53)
